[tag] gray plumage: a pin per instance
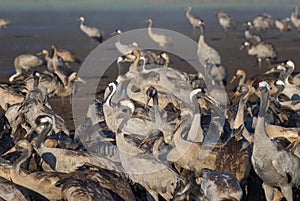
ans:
(9, 191)
(224, 20)
(263, 22)
(162, 39)
(249, 36)
(261, 50)
(205, 52)
(277, 168)
(195, 22)
(219, 186)
(283, 24)
(25, 62)
(295, 17)
(90, 31)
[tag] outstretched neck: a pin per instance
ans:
(287, 75)
(188, 13)
(136, 62)
(17, 164)
(201, 37)
(242, 80)
(149, 25)
(263, 103)
(108, 100)
(239, 119)
(260, 135)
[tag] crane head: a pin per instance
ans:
(260, 84)
(148, 20)
(189, 8)
(81, 19)
(116, 32)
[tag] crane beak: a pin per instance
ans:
(242, 47)
(147, 101)
(248, 94)
(30, 131)
(232, 80)
(270, 71)
(235, 95)
(39, 53)
(9, 151)
(212, 100)
(152, 135)
(78, 79)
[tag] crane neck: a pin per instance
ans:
(135, 62)
(263, 103)
(195, 132)
(280, 88)
(113, 91)
(242, 80)
(24, 156)
(149, 24)
(181, 144)
(261, 138)
(36, 80)
(201, 37)
(287, 74)
(188, 15)
(150, 28)
(47, 127)
(239, 119)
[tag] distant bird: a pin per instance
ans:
(62, 69)
(124, 49)
(4, 22)
(91, 32)
(295, 17)
(277, 168)
(210, 59)
(195, 22)
(283, 24)
(67, 55)
(219, 186)
(224, 20)
(206, 52)
(252, 37)
(25, 62)
(162, 39)
(263, 22)
(262, 50)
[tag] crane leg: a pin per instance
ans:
(287, 192)
(269, 191)
(268, 60)
(259, 62)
